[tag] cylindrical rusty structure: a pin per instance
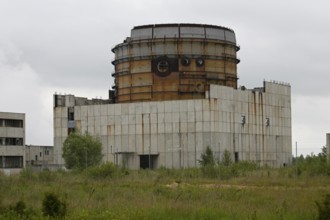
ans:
(174, 61)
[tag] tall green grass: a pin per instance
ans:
(238, 191)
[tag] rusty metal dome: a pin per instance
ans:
(173, 62)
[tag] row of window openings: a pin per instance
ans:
(11, 162)
(46, 153)
(11, 123)
(267, 121)
(11, 141)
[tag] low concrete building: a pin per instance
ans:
(12, 141)
(253, 124)
(39, 155)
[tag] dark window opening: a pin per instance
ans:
(243, 119)
(70, 113)
(13, 141)
(11, 123)
(185, 61)
(11, 161)
(71, 130)
(200, 62)
(147, 161)
(236, 157)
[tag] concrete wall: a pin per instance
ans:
(175, 133)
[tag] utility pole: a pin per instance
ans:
(296, 158)
(86, 158)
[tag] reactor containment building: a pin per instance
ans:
(175, 94)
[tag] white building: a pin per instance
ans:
(254, 125)
(12, 141)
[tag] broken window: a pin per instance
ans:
(70, 113)
(243, 120)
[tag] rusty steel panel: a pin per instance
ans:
(122, 66)
(214, 66)
(124, 81)
(141, 89)
(124, 91)
(142, 79)
(165, 88)
(141, 66)
(141, 96)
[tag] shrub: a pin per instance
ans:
(52, 206)
(207, 158)
(107, 170)
(324, 208)
(19, 208)
(226, 158)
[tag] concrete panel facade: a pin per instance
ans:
(253, 125)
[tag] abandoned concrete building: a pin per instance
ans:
(36, 155)
(176, 93)
(12, 141)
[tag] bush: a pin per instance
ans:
(107, 170)
(52, 206)
(82, 151)
(324, 208)
(19, 208)
(207, 158)
(226, 158)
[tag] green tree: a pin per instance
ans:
(207, 158)
(80, 151)
(226, 158)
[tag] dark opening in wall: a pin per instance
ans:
(11, 161)
(147, 161)
(11, 123)
(236, 157)
(70, 113)
(13, 141)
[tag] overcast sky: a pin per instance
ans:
(64, 46)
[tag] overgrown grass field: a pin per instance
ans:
(238, 191)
